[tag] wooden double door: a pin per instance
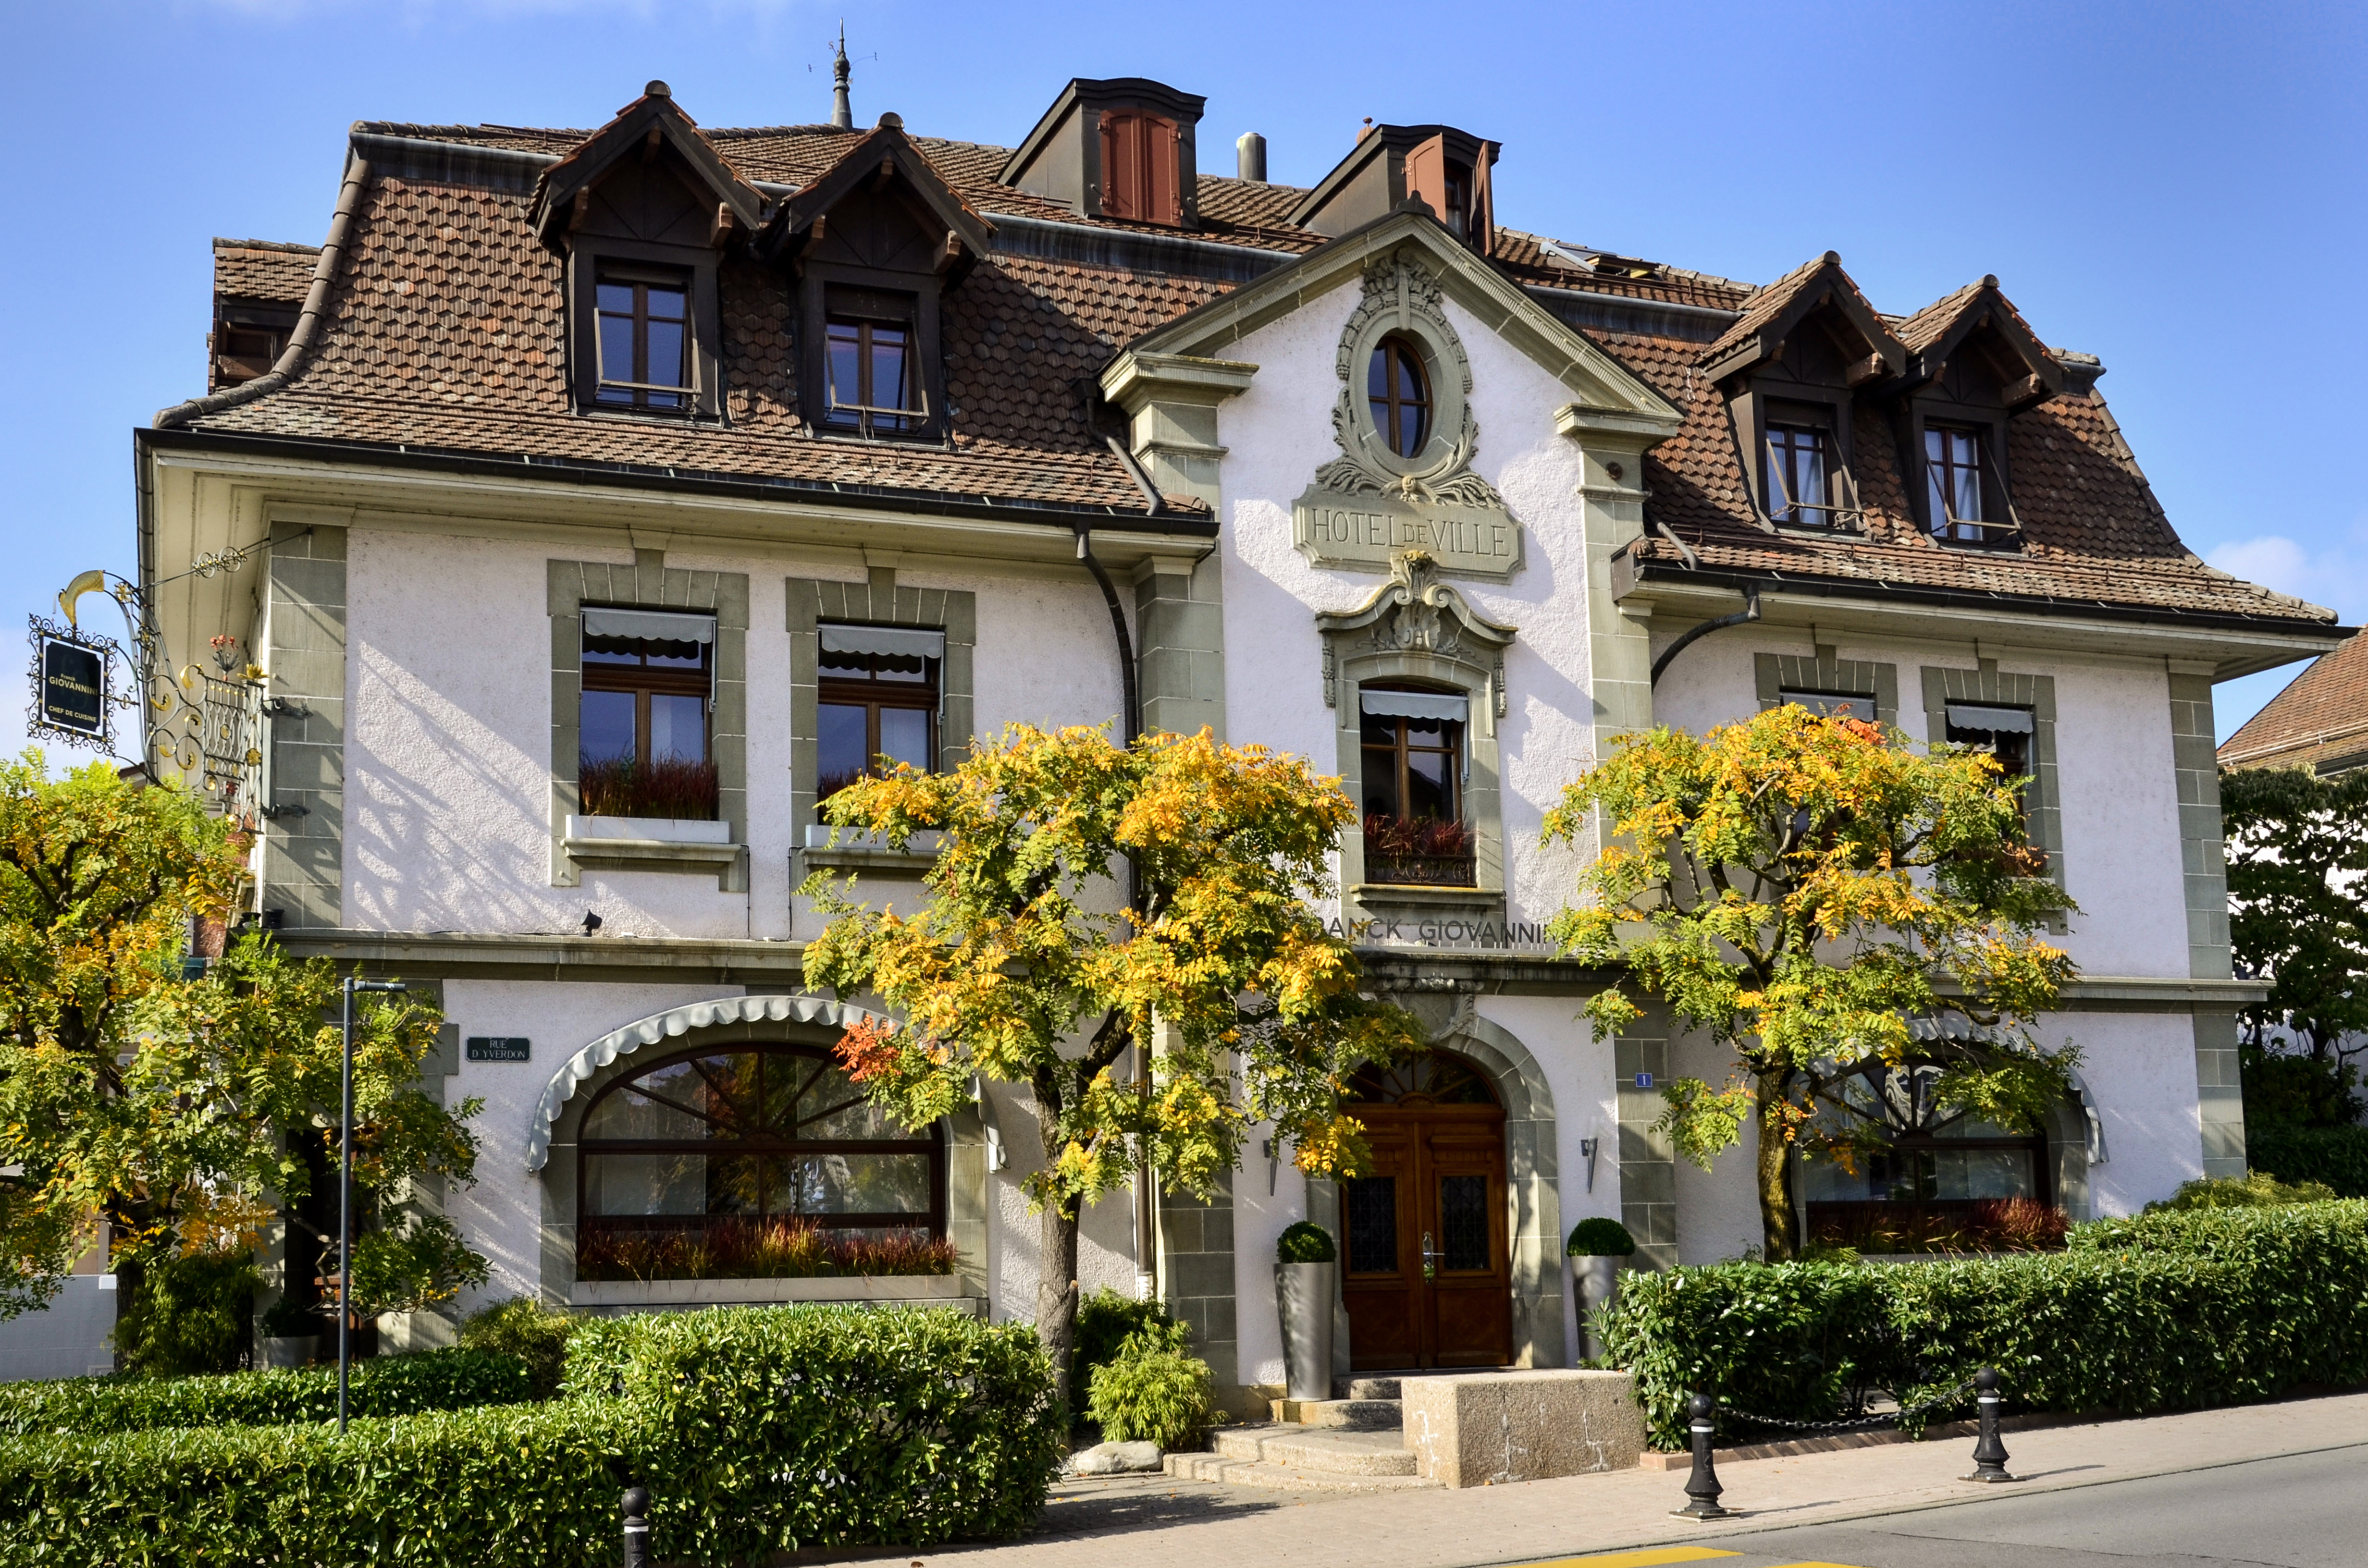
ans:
(1428, 1276)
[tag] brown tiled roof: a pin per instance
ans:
(2320, 717)
(444, 331)
(1764, 304)
(2092, 530)
(264, 269)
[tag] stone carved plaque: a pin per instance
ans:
(1369, 505)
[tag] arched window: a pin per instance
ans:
(1921, 1176)
(1399, 390)
(723, 1151)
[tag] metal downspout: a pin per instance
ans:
(1751, 612)
(1147, 1257)
(308, 325)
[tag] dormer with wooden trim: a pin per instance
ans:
(1790, 370)
(1973, 364)
(1448, 169)
(1120, 149)
(641, 209)
(872, 245)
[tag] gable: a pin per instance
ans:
(1592, 377)
(648, 202)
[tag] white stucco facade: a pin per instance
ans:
(444, 861)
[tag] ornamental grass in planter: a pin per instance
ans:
(759, 1249)
(1983, 1225)
(674, 787)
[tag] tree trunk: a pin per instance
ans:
(1779, 1222)
(1056, 1294)
(1056, 1277)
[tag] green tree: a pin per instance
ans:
(179, 1110)
(2297, 855)
(1034, 964)
(1802, 887)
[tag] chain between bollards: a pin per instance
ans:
(1989, 1453)
(637, 1526)
(1701, 1486)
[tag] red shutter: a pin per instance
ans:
(1141, 168)
(1163, 164)
(1425, 174)
(1483, 227)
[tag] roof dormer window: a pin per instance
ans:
(873, 385)
(1139, 167)
(1798, 464)
(1120, 149)
(1952, 466)
(644, 338)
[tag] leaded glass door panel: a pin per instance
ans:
(1427, 1279)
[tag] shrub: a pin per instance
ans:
(1305, 1242)
(2253, 1190)
(1149, 1395)
(414, 1266)
(1599, 1237)
(2172, 1311)
(1108, 1322)
(189, 1314)
(382, 1386)
(780, 1428)
(464, 1489)
(756, 1430)
(2336, 1155)
(527, 1329)
(288, 1318)
(2299, 1091)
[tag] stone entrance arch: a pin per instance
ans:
(1531, 1173)
(727, 1020)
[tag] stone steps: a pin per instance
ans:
(1329, 1448)
(1363, 1415)
(1293, 1458)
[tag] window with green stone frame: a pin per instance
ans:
(1980, 706)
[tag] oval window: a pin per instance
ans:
(1400, 395)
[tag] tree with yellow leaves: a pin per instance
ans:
(181, 1108)
(1085, 895)
(1808, 889)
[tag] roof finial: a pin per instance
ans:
(842, 109)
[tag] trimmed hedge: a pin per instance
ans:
(756, 1430)
(2336, 1155)
(379, 1386)
(2166, 1312)
(519, 1484)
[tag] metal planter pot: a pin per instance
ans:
(292, 1351)
(1598, 1286)
(1304, 1293)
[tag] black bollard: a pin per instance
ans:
(637, 1526)
(1701, 1486)
(1989, 1454)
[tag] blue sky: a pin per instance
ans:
(2175, 188)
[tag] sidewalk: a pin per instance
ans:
(1155, 1522)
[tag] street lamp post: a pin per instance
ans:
(345, 1189)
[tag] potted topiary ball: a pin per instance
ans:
(1304, 1261)
(1597, 1248)
(291, 1333)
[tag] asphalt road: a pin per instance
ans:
(2306, 1511)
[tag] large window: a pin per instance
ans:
(1952, 471)
(647, 696)
(706, 1145)
(1796, 476)
(877, 702)
(1412, 771)
(1399, 391)
(644, 337)
(1920, 1173)
(871, 375)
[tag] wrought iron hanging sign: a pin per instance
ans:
(73, 684)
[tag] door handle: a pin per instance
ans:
(1429, 1258)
